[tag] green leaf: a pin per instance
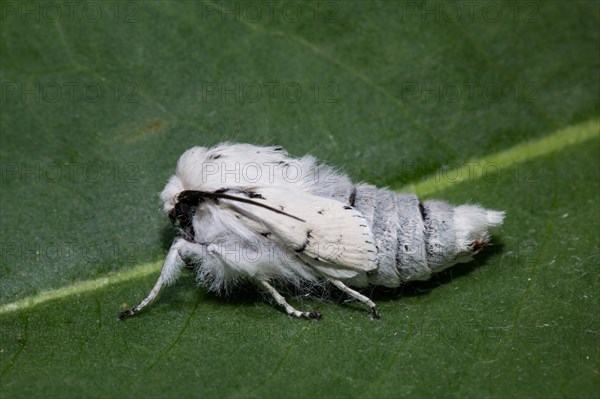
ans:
(486, 102)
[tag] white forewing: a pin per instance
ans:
(330, 236)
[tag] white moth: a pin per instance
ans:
(255, 214)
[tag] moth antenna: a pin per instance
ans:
(192, 194)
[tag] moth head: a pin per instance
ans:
(183, 212)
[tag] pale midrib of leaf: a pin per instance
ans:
(476, 168)
(81, 287)
(470, 171)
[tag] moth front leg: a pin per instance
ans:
(288, 308)
(171, 269)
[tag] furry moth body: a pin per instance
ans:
(249, 213)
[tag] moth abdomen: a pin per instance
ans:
(418, 238)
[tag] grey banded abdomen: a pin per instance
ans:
(414, 239)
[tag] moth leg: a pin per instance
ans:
(357, 295)
(169, 272)
(288, 308)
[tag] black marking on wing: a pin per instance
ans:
(347, 207)
(423, 211)
(352, 199)
(253, 195)
(214, 157)
(306, 242)
(301, 249)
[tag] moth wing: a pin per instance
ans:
(327, 234)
